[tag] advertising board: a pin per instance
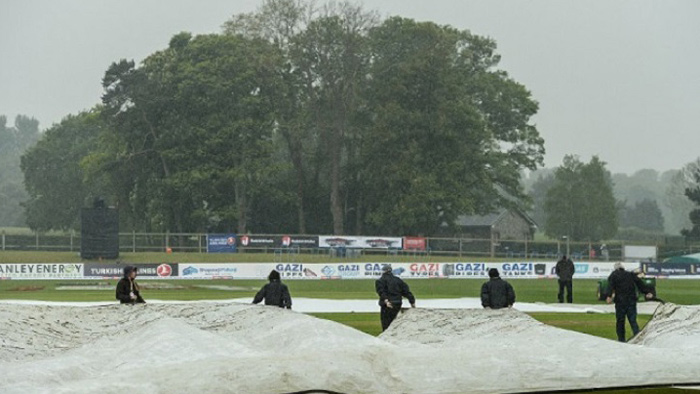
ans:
(415, 243)
(221, 243)
(41, 271)
(669, 269)
(352, 242)
(112, 270)
(277, 241)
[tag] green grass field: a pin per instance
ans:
(527, 290)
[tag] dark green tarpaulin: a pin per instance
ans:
(687, 259)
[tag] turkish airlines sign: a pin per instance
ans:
(111, 270)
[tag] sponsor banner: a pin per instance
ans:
(210, 271)
(356, 270)
(333, 270)
(465, 270)
(669, 269)
(221, 243)
(527, 269)
(414, 243)
(102, 270)
(407, 270)
(598, 270)
(374, 270)
(277, 241)
(424, 270)
(590, 270)
(299, 241)
(257, 241)
(337, 241)
(41, 271)
(342, 271)
(516, 270)
(250, 270)
(299, 271)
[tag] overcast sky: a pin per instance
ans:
(620, 79)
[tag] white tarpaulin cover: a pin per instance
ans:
(232, 348)
(319, 305)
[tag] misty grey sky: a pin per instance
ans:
(620, 79)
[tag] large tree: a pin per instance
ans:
(675, 204)
(326, 59)
(193, 128)
(333, 59)
(14, 141)
(313, 119)
(448, 134)
(538, 194)
(580, 204)
(645, 215)
(280, 22)
(692, 175)
(53, 175)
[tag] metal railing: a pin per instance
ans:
(485, 248)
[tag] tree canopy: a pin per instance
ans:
(580, 203)
(644, 215)
(52, 172)
(14, 141)
(300, 119)
(692, 191)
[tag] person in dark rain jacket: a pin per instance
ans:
(274, 293)
(391, 291)
(623, 287)
(497, 293)
(565, 270)
(128, 291)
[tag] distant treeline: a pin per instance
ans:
(649, 204)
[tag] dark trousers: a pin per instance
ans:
(630, 312)
(569, 287)
(388, 315)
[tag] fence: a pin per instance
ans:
(484, 248)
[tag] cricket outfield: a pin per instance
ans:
(602, 325)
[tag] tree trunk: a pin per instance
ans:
(241, 205)
(336, 198)
(300, 201)
(180, 230)
(358, 216)
(295, 151)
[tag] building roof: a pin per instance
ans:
(489, 219)
(478, 220)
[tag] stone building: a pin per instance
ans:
(506, 224)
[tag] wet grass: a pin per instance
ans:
(527, 290)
